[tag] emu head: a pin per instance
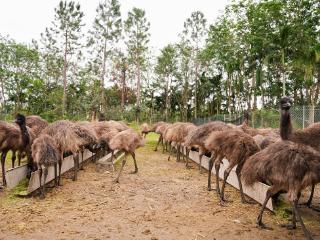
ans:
(20, 119)
(285, 103)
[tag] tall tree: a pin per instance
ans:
(166, 68)
(64, 36)
(137, 33)
(106, 32)
(194, 32)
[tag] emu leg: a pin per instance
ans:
(308, 204)
(238, 172)
(225, 176)
(135, 163)
(178, 152)
(76, 165)
(13, 158)
(44, 183)
(112, 156)
(270, 192)
(159, 140)
(60, 165)
(19, 158)
(297, 213)
(209, 174)
(3, 160)
(187, 157)
(217, 167)
(81, 165)
(40, 181)
(122, 165)
(170, 151)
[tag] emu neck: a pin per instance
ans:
(285, 125)
(25, 134)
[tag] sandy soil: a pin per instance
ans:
(163, 201)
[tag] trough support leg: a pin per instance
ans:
(200, 161)
(55, 174)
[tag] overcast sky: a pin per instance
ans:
(24, 20)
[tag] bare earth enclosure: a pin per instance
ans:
(163, 201)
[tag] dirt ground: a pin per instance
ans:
(163, 201)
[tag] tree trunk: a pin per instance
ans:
(123, 89)
(253, 90)
(167, 100)
(102, 92)
(196, 92)
(65, 69)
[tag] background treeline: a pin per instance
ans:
(254, 53)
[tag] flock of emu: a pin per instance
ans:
(287, 160)
(46, 144)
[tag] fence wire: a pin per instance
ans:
(301, 117)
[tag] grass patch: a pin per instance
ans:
(282, 209)
(20, 189)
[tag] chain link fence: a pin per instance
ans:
(301, 117)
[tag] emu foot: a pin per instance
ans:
(315, 209)
(288, 226)
(115, 181)
(246, 201)
(261, 225)
(155, 150)
(42, 196)
(134, 172)
(224, 200)
(307, 204)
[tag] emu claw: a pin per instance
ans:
(288, 226)
(245, 201)
(263, 226)
(134, 172)
(116, 181)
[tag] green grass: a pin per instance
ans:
(20, 189)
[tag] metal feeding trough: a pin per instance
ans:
(15, 175)
(257, 192)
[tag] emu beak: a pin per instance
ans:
(286, 105)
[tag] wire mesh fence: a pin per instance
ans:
(301, 117)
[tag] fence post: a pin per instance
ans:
(303, 117)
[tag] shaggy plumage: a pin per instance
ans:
(309, 136)
(160, 129)
(45, 153)
(285, 166)
(235, 146)
(197, 137)
(67, 141)
(36, 123)
(127, 141)
(15, 137)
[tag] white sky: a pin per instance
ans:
(24, 20)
